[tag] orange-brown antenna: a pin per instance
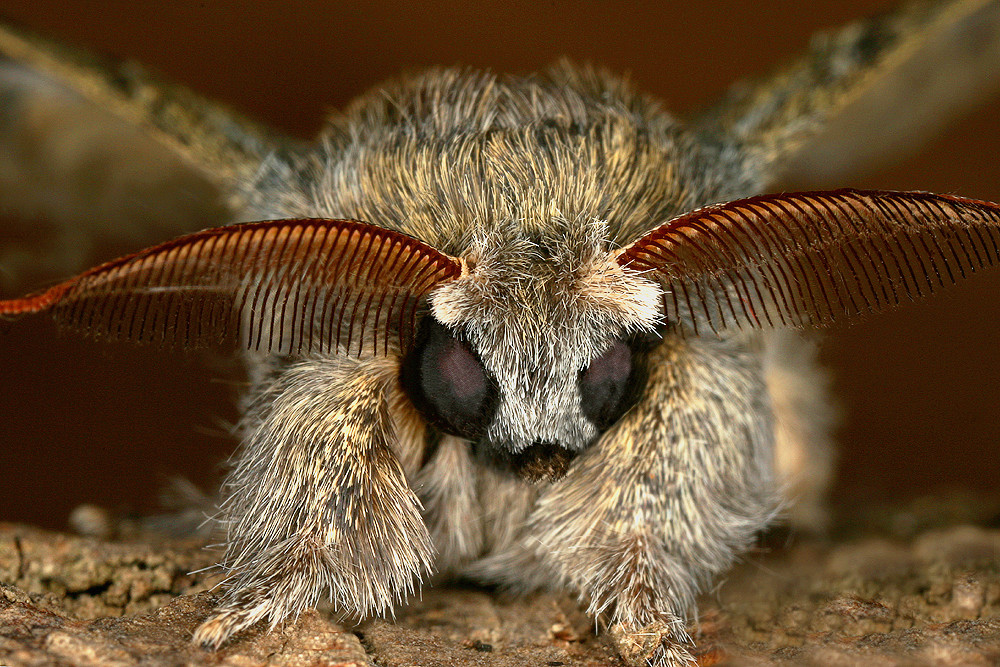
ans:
(809, 258)
(284, 286)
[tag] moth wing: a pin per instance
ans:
(813, 258)
(101, 151)
(863, 94)
(284, 287)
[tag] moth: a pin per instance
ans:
(530, 331)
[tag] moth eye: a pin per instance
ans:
(447, 382)
(609, 385)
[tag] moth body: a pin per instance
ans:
(529, 331)
(534, 183)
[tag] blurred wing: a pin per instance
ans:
(863, 95)
(105, 152)
(285, 286)
(812, 258)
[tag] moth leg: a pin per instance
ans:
(447, 490)
(471, 511)
(805, 416)
(317, 502)
(666, 499)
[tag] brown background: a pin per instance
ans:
(84, 423)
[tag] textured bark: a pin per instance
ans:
(918, 585)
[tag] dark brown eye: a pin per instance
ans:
(447, 382)
(611, 384)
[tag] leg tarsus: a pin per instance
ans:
(660, 644)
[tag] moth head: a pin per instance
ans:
(530, 347)
(536, 351)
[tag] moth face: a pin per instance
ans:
(525, 417)
(530, 370)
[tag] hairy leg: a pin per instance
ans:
(805, 416)
(666, 499)
(447, 489)
(317, 502)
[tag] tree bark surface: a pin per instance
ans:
(916, 585)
